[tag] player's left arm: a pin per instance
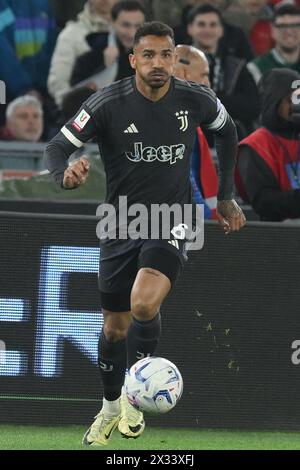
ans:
(73, 135)
(217, 120)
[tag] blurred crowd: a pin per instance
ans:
(55, 54)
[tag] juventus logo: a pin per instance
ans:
(140, 355)
(182, 116)
(105, 367)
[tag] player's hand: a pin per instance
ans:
(111, 53)
(77, 173)
(230, 216)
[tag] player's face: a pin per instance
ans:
(153, 60)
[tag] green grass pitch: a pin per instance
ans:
(14, 437)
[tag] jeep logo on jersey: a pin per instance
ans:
(164, 153)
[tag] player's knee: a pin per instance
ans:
(116, 325)
(143, 310)
(114, 334)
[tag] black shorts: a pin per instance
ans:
(120, 261)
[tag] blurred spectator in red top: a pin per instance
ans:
(24, 120)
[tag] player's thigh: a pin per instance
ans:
(160, 267)
(117, 272)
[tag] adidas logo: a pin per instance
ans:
(174, 243)
(131, 129)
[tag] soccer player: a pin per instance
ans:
(145, 142)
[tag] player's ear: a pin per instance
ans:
(132, 61)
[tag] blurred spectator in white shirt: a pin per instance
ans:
(71, 44)
(108, 59)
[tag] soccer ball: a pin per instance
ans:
(153, 385)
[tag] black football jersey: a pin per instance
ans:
(146, 145)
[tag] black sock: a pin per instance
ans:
(112, 364)
(142, 338)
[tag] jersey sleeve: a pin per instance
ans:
(214, 117)
(212, 113)
(84, 126)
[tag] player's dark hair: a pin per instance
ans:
(153, 28)
(126, 5)
(291, 10)
(203, 10)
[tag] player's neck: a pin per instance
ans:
(152, 94)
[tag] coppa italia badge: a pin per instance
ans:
(81, 120)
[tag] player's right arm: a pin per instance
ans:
(215, 118)
(71, 137)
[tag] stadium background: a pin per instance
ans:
(231, 325)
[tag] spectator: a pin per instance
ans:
(255, 19)
(27, 37)
(73, 101)
(234, 38)
(191, 64)
(24, 120)
(229, 76)
(71, 44)
(108, 60)
(286, 34)
(268, 168)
